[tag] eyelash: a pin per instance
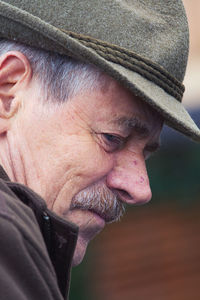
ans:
(114, 142)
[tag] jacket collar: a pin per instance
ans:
(59, 235)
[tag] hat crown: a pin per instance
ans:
(143, 44)
(154, 29)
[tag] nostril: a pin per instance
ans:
(123, 195)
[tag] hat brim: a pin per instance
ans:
(21, 26)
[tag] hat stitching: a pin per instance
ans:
(141, 65)
(148, 74)
(187, 129)
(120, 55)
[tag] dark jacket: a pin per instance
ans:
(36, 246)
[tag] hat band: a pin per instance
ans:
(133, 62)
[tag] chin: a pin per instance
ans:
(79, 252)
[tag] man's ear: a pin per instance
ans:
(15, 74)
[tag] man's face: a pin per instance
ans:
(86, 158)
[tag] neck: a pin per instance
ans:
(17, 161)
(11, 160)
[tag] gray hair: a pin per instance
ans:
(60, 77)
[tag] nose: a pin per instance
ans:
(129, 180)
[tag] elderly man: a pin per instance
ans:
(84, 90)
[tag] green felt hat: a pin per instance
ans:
(141, 43)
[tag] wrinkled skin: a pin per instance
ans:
(64, 152)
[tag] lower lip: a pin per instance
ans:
(98, 219)
(93, 226)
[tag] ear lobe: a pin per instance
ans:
(15, 74)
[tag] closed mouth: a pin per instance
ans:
(103, 215)
(107, 218)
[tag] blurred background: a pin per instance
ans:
(154, 253)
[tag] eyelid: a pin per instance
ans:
(116, 138)
(112, 146)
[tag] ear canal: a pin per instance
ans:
(8, 106)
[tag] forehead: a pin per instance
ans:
(114, 105)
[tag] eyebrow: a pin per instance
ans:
(140, 127)
(134, 123)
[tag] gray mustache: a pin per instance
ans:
(101, 200)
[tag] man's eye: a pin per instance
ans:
(150, 150)
(112, 142)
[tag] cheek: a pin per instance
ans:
(94, 162)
